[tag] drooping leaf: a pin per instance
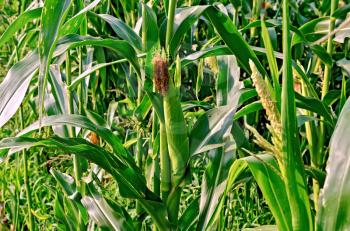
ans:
(123, 30)
(131, 182)
(24, 70)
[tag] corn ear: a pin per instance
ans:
(175, 126)
(176, 131)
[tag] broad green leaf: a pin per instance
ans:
(15, 85)
(54, 13)
(130, 181)
(73, 24)
(106, 216)
(144, 108)
(189, 216)
(227, 83)
(184, 19)
(341, 12)
(322, 54)
(307, 29)
(250, 108)
(220, 50)
(151, 29)
(210, 128)
(334, 210)
(233, 39)
(122, 48)
(272, 62)
(214, 180)
(157, 104)
(98, 67)
(82, 122)
(65, 181)
(58, 95)
(224, 26)
(316, 106)
(266, 173)
(123, 30)
(24, 70)
(60, 212)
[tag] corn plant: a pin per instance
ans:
(174, 115)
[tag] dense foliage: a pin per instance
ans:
(174, 115)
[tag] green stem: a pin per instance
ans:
(144, 28)
(17, 190)
(311, 136)
(326, 81)
(139, 162)
(170, 23)
(165, 166)
(156, 177)
(76, 165)
(26, 181)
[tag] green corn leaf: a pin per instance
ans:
(247, 109)
(12, 92)
(224, 27)
(106, 216)
(131, 183)
(265, 171)
(25, 70)
(65, 181)
(73, 24)
(151, 28)
(82, 122)
(144, 108)
(227, 83)
(60, 212)
(214, 179)
(54, 13)
(272, 62)
(189, 216)
(123, 30)
(316, 106)
(210, 128)
(334, 211)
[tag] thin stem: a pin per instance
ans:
(17, 189)
(326, 81)
(26, 181)
(156, 179)
(77, 169)
(170, 23)
(165, 166)
(328, 68)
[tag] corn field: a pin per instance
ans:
(175, 115)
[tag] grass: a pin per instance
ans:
(174, 115)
